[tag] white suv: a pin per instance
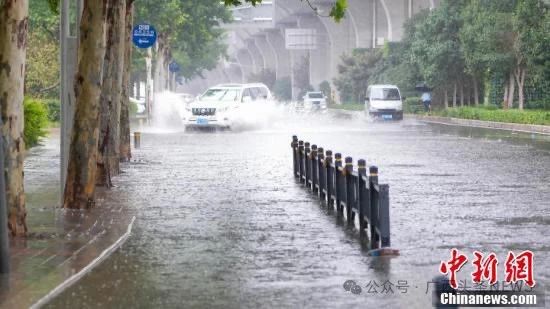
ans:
(222, 105)
(315, 100)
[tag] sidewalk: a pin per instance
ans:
(60, 243)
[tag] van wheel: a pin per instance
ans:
(399, 115)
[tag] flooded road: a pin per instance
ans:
(221, 222)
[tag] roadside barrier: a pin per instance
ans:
(137, 140)
(354, 192)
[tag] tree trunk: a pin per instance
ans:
(125, 149)
(106, 101)
(512, 84)
(469, 96)
(119, 52)
(82, 167)
(505, 99)
(454, 95)
(520, 79)
(476, 92)
(13, 46)
(461, 94)
(446, 100)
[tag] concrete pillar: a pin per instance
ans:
(237, 69)
(246, 61)
(69, 55)
(342, 38)
(395, 14)
(259, 62)
(269, 56)
(319, 71)
(277, 44)
(359, 12)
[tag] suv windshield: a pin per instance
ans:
(221, 95)
(384, 94)
(315, 95)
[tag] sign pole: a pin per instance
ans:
(144, 36)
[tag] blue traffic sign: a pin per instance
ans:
(144, 35)
(174, 67)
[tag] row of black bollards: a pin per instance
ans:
(355, 193)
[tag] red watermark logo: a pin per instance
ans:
(517, 267)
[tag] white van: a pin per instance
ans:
(221, 105)
(384, 101)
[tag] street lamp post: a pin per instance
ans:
(4, 245)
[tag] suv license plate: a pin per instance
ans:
(387, 117)
(202, 120)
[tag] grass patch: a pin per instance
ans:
(540, 117)
(348, 106)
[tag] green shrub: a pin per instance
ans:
(324, 87)
(132, 109)
(36, 121)
(54, 110)
(413, 105)
(539, 117)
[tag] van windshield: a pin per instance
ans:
(315, 95)
(217, 94)
(384, 94)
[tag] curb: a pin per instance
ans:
(527, 128)
(74, 278)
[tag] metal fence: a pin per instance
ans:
(354, 192)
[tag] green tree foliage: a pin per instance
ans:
(435, 45)
(532, 23)
(189, 28)
(354, 72)
(463, 48)
(282, 89)
(36, 121)
(42, 69)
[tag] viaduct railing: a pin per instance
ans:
(354, 192)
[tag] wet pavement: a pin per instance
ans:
(60, 243)
(221, 223)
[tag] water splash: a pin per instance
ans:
(168, 109)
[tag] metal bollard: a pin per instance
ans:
(320, 170)
(362, 197)
(348, 169)
(337, 176)
(313, 169)
(294, 146)
(300, 160)
(373, 181)
(329, 177)
(307, 168)
(4, 239)
(137, 140)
